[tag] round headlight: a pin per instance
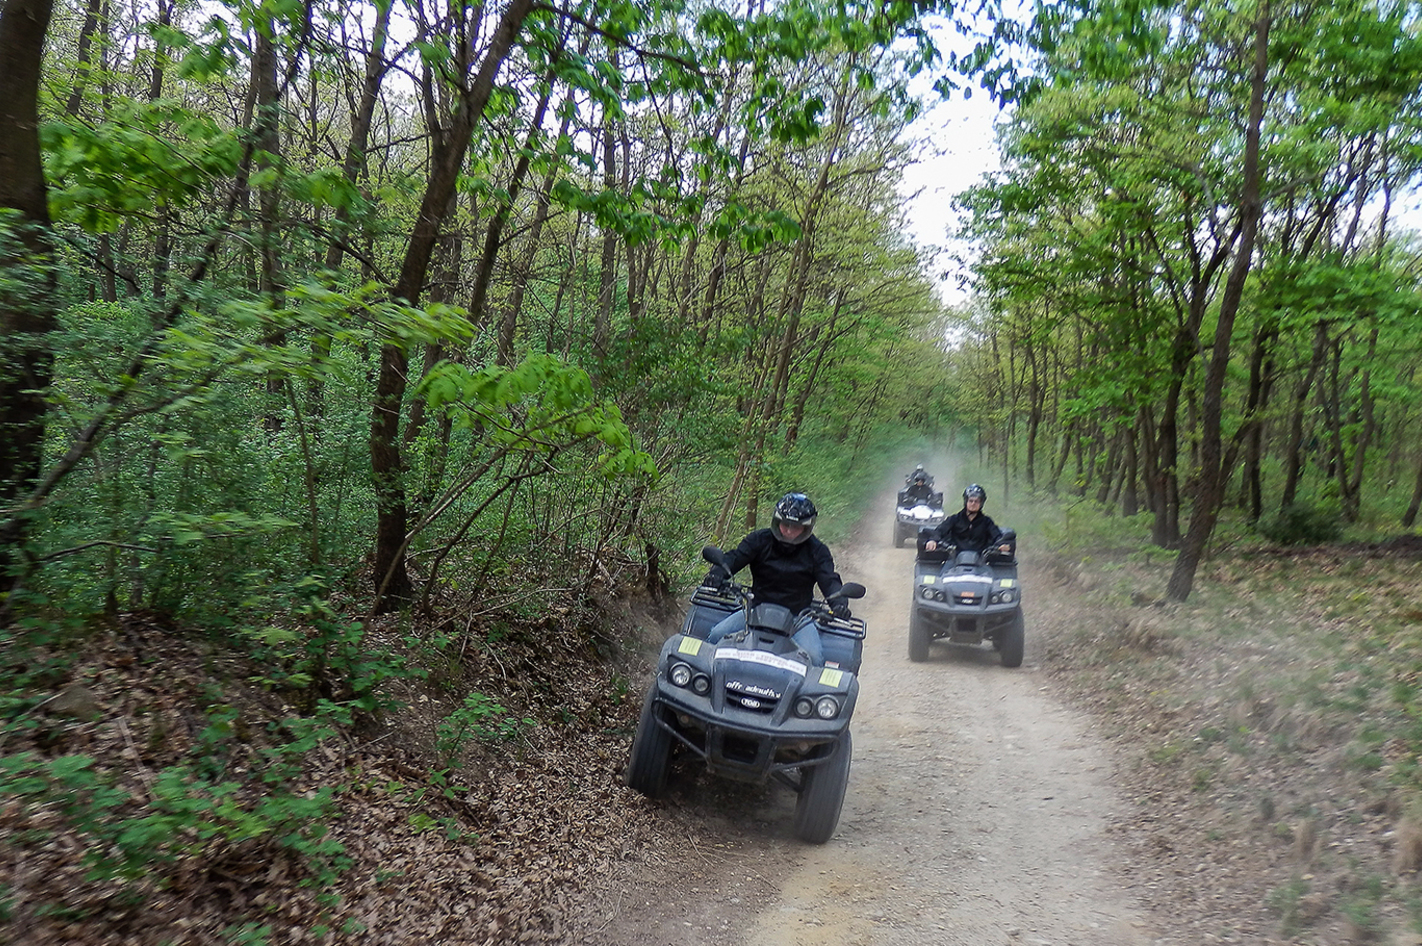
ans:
(1007, 597)
(804, 707)
(701, 684)
(941, 595)
(826, 707)
(928, 593)
(680, 674)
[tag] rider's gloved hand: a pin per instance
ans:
(717, 579)
(840, 610)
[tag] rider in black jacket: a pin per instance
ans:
(786, 563)
(969, 529)
(919, 488)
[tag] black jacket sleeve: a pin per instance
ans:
(743, 554)
(825, 576)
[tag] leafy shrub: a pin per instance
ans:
(184, 815)
(479, 718)
(1301, 524)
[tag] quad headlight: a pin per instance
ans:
(701, 684)
(1006, 596)
(679, 674)
(927, 594)
(825, 707)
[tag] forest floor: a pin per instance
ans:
(1153, 774)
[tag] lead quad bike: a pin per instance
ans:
(966, 597)
(911, 516)
(752, 706)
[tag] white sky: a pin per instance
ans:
(958, 147)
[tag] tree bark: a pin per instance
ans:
(27, 280)
(387, 462)
(1210, 491)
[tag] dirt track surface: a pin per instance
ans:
(977, 813)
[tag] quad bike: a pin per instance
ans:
(752, 705)
(966, 597)
(913, 515)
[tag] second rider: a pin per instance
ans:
(786, 562)
(970, 529)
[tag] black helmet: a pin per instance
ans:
(796, 509)
(920, 475)
(974, 491)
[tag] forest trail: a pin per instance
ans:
(977, 813)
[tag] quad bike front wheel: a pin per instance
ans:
(918, 637)
(1012, 640)
(651, 751)
(822, 789)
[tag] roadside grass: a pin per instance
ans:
(1275, 720)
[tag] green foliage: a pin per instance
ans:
(182, 814)
(478, 718)
(147, 155)
(327, 661)
(1286, 903)
(1301, 524)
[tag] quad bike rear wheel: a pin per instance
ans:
(822, 789)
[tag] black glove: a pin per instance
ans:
(840, 610)
(717, 579)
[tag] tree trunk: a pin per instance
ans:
(27, 279)
(1130, 500)
(1210, 491)
(607, 272)
(268, 105)
(387, 462)
(1410, 516)
(1293, 454)
(83, 61)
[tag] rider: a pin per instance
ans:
(786, 563)
(970, 529)
(919, 488)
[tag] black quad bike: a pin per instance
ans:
(913, 515)
(965, 597)
(752, 705)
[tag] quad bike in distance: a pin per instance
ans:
(967, 597)
(913, 515)
(752, 706)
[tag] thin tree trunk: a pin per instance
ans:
(1293, 454)
(387, 461)
(353, 164)
(1210, 492)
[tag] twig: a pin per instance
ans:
(144, 775)
(88, 545)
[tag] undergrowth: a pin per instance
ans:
(1287, 691)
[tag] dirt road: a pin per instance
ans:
(976, 814)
